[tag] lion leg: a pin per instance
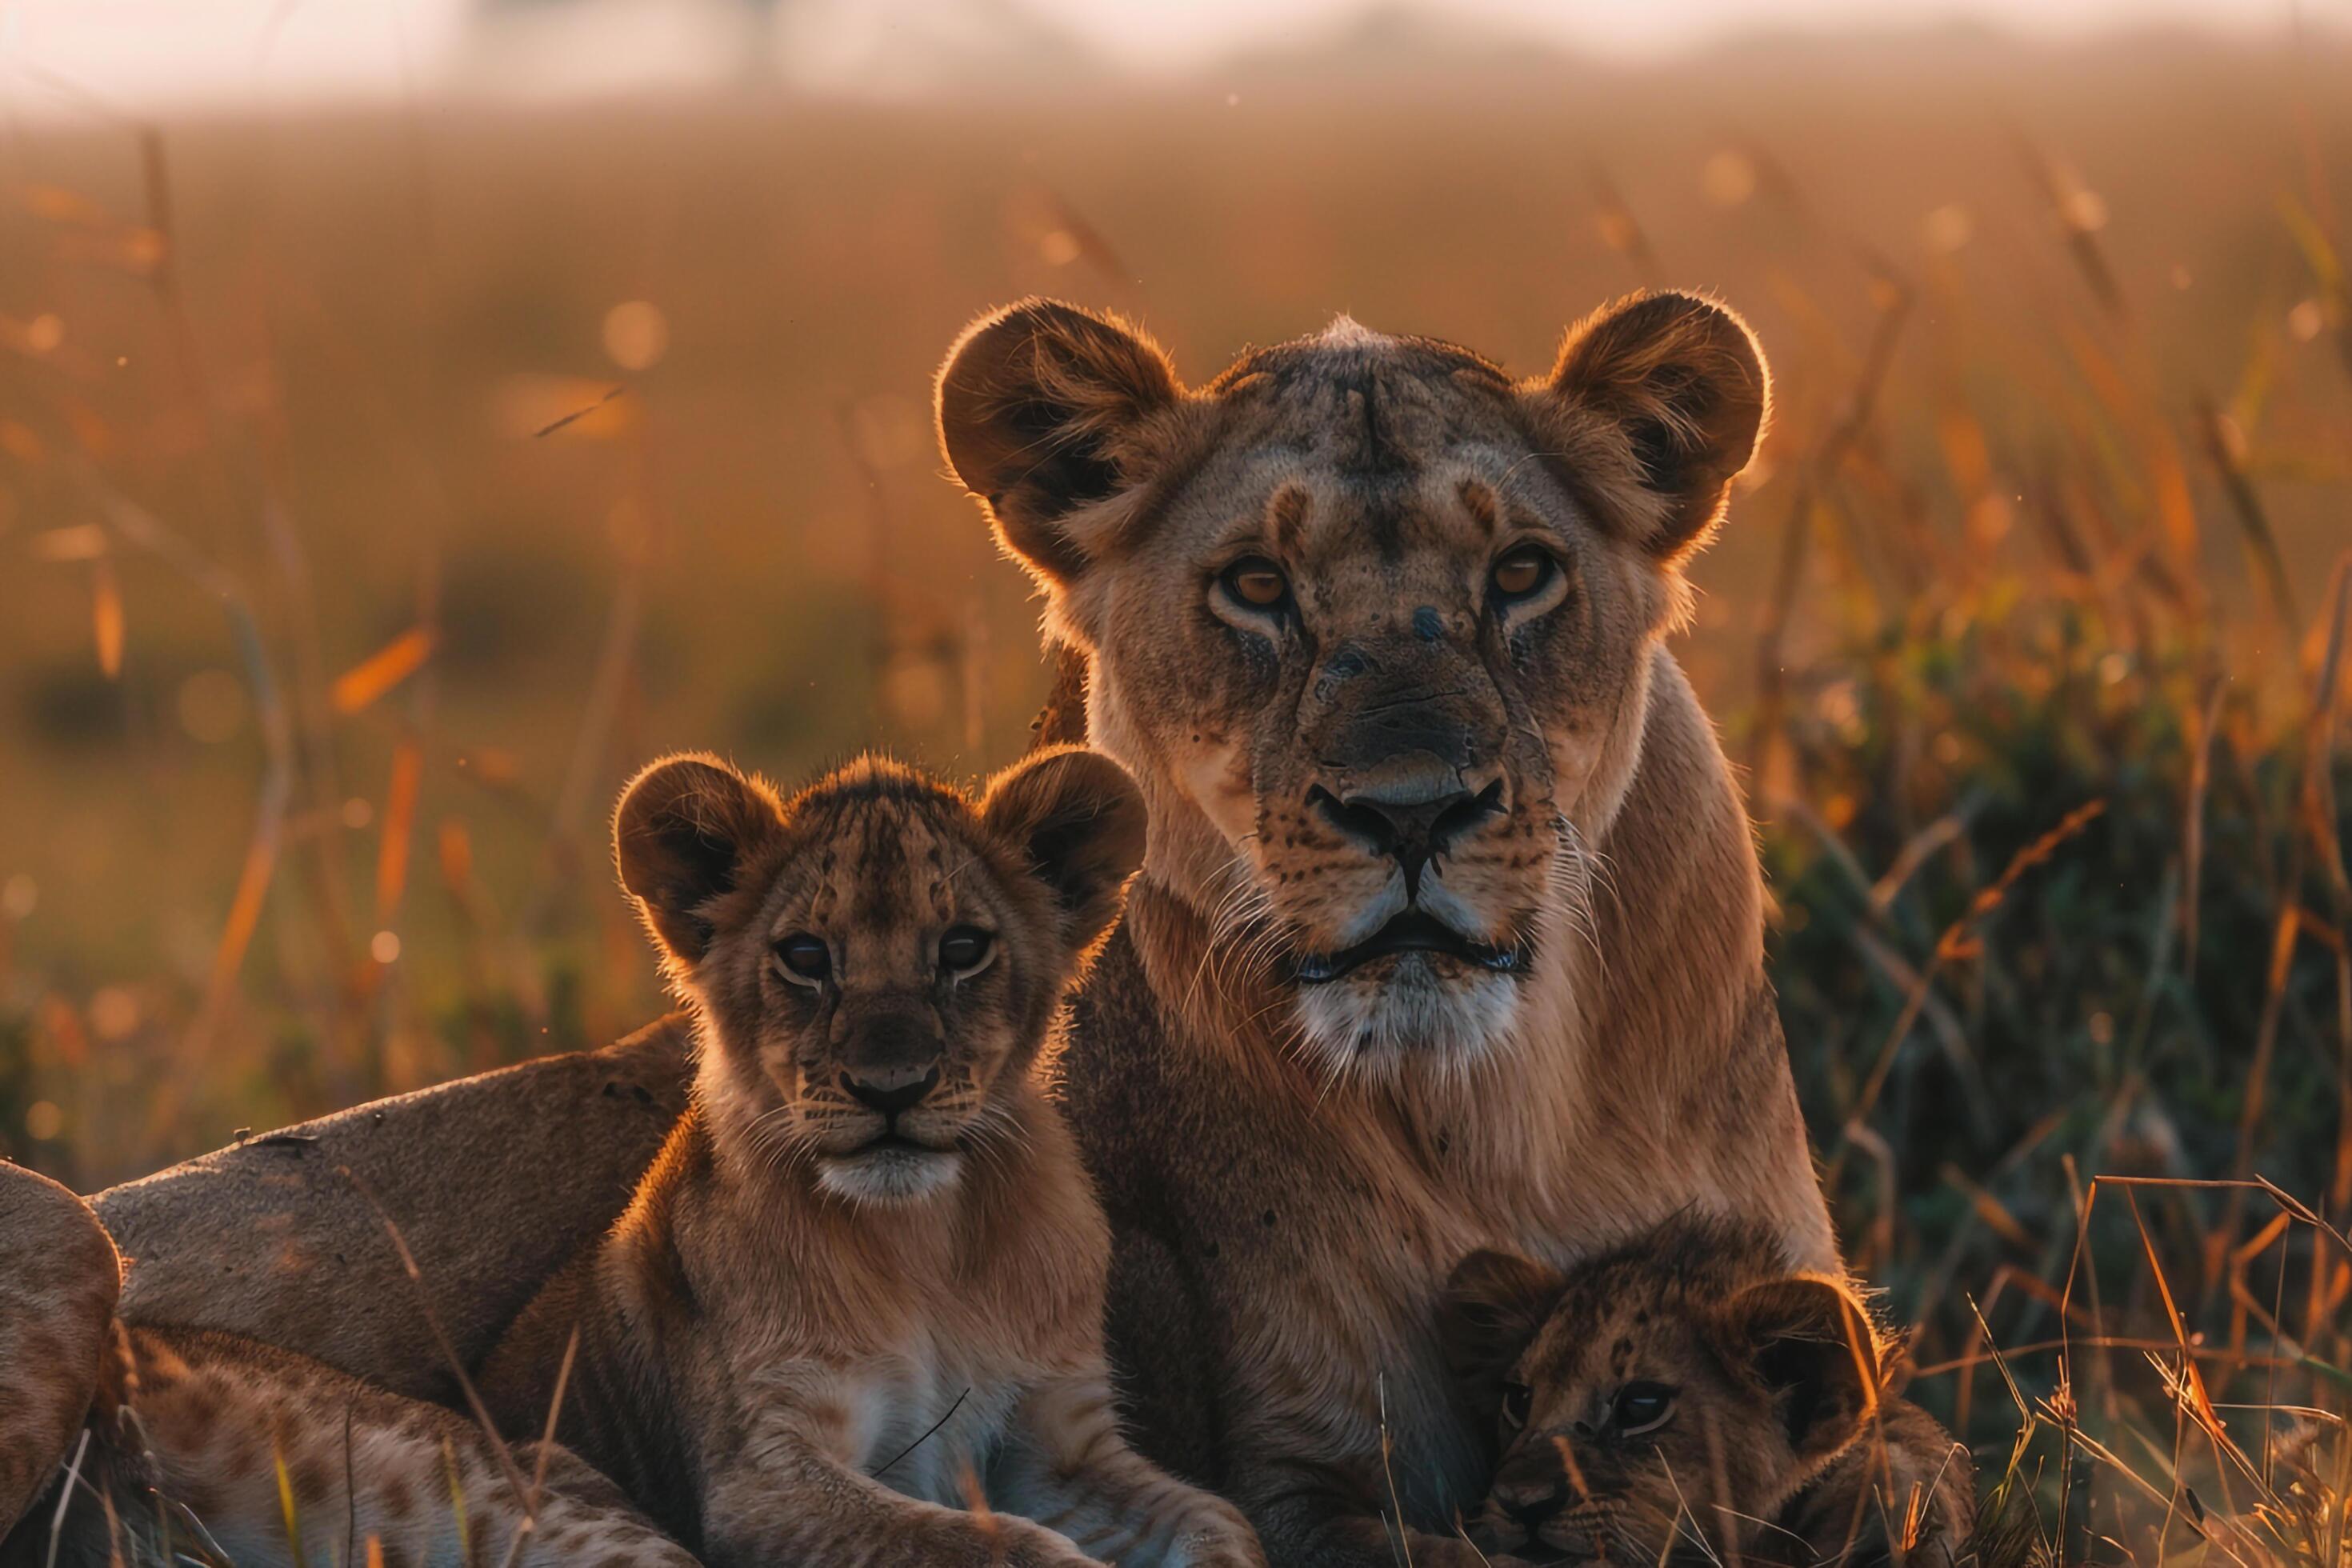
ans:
(270, 1457)
(1903, 1494)
(59, 1277)
(1313, 1524)
(781, 1500)
(1068, 1468)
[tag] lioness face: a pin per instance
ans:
(877, 961)
(1369, 621)
(1640, 1414)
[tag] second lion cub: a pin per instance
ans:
(854, 1313)
(1679, 1398)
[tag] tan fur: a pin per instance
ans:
(829, 1332)
(58, 1279)
(1306, 1149)
(1672, 1397)
(207, 1441)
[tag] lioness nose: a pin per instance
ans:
(892, 1092)
(1411, 807)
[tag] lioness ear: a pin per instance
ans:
(1808, 1341)
(685, 829)
(1492, 1308)
(1039, 410)
(1683, 382)
(1080, 819)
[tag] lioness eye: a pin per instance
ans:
(964, 949)
(1521, 573)
(804, 958)
(1258, 583)
(1519, 1402)
(1644, 1407)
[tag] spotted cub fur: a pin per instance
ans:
(853, 1314)
(1687, 1396)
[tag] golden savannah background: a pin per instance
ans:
(408, 426)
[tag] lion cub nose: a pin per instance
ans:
(890, 1092)
(1530, 1503)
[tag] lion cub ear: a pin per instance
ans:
(1494, 1305)
(1040, 409)
(1808, 1342)
(686, 829)
(1683, 383)
(1079, 820)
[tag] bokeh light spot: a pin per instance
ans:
(114, 1013)
(1729, 178)
(1949, 228)
(637, 334)
(384, 947)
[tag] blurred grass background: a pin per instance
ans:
(377, 488)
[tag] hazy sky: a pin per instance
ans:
(141, 52)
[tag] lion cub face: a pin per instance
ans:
(877, 961)
(1676, 1392)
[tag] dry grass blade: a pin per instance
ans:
(2192, 830)
(1953, 944)
(399, 828)
(1853, 421)
(358, 686)
(65, 1498)
(1619, 230)
(1916, 852)
(576, 414)
(106, 617)
(2080, 216)
(2319, 809)
(134, 524)
(498, 1449)
(2254, 520)
(546, 1450)
(288, 1511)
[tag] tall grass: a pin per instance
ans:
(359, 546)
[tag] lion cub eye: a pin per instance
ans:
(1519, 1402)
(804, 958)
(1644, 1407)
(1258, 583)
(1522, 572)
(965, 950)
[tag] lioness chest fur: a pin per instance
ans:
(853, 1313)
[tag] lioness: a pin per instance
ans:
(1450, 931)
(1668, 1398)
(857, 1302)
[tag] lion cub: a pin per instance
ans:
(853, 1314)
(1670, 1399)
